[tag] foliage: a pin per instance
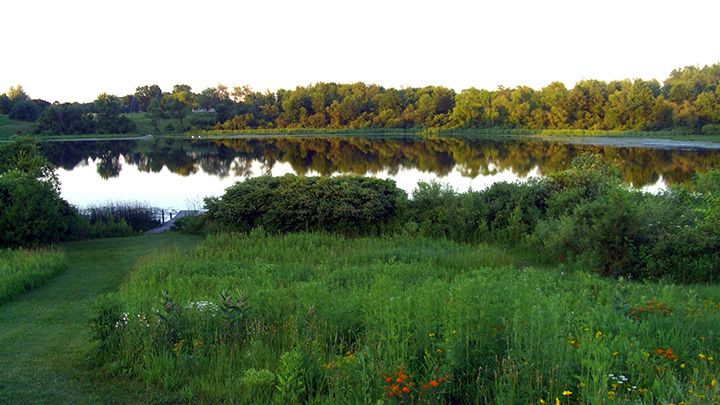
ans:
(345, 204)
(459, 324)
(31, 210)
(67, 119)
(23, 270)
(687, 101)
(138, 217)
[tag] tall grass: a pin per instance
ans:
(22, 270)
(322, 319)
(120, 218)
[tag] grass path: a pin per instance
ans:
(45, 335)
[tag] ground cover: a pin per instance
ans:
(45, 334)
(23, 270)
(10, 127)
(323, 319)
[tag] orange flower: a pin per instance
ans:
(390, 394)
(434, 383)
(406, 390)
(388, 379)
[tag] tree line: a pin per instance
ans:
(689, 99)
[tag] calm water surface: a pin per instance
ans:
(178, 173)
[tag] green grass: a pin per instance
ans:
(145, 126)
(325, 319)
(22, 270)
(465, 132)
(45, 335)
(10, 127)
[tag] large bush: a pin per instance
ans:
(31, 210)
(345, 204)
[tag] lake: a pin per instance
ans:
(176, 173)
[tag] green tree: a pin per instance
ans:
(109, 120)
(145, 95)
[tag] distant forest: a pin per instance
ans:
(688, 100)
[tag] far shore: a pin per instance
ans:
(626, 139)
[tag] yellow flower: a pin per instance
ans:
(713, 382)
(431, 334)
(557, 401)
(542, 402)
(598, 335)
(567, 393)
(701, 356)
(615, 354)
(682, 365)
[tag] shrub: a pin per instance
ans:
(345, 204)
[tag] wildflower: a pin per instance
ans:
(542, 401)
(615, 354)
(573, 342)
(390, 394)
(431, 334)
(434, 383)
(567, 393)
(388, 379)
(713, 382)
(598, 335)
(406, 390)
(702, 356)
(682, 365)
(557, 401)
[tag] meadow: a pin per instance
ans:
(318, 318)
(22, 270)
(10, 127)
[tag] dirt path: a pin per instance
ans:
(45, 335)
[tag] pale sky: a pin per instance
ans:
(73, 50)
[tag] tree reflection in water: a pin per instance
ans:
(330, 155)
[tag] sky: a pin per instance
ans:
(73, 50)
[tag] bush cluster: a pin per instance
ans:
(346, 204)
(582, 215)
(585, 215)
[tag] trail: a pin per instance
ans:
(45, 334)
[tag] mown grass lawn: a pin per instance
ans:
(45, 334)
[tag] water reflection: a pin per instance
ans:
(227, 159)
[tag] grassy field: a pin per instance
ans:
(23, 270)
(192, 124)
(9, 127)
(469, 132)
(45, 334)
(323, 319)
(167, 126)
